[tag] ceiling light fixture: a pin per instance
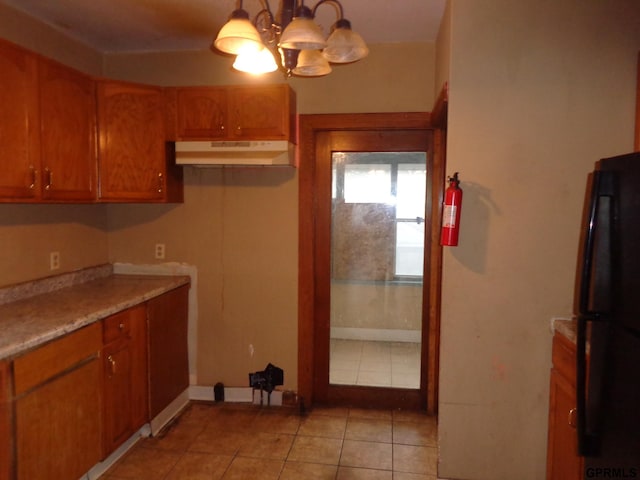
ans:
(295, 43)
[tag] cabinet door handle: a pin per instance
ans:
(221, 127)
(121, 326)
(49, 183)
(571, 420)
(112, 365)
(34, 177)
(160, 182)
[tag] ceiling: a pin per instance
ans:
(111, 26)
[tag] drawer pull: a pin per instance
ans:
(121, 326)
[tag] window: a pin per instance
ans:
(395, 180)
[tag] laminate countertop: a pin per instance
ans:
(33, 320)
(567, 328)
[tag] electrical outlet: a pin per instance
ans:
(54, 260)
(159, 252)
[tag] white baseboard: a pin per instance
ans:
(170, 411)
(238, 394)
(98, 470)
(204, 393)
(201, 393)
(376, 334)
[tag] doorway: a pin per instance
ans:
(370, 185)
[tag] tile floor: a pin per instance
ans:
(377, 364)
(236, 441)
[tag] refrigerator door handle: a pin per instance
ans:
(593, 306)
(603, 188)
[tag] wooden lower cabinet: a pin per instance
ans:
(124, 361)
(563, 462)
(6, 414)
(68, 404)
(57, 408)
(168, 350)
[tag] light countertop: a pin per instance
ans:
(567, 328)
(28, 322)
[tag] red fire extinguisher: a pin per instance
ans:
(451, 212)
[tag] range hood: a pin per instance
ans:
(235, 153)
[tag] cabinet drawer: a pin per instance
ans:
(45, 362)
(564, 357)
(118, 326)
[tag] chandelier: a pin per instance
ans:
(293, 43)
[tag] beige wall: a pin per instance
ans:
(239, 227)
(393, 78)
(538, 92)
(443, 51)
(28, 233)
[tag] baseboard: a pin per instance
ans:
(98, 470)
(169, 412)
(205, 393)
(376, 334)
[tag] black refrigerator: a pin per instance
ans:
(607, 307)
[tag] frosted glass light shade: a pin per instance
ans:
(256, 63)
(345, 46)
(238, 35)
(303, 33)
(311, 63)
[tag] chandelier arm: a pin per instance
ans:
(266, 7)
(335, 3)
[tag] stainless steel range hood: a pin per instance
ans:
(235, 153)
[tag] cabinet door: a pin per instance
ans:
(260, 113)
(67, 133)
(118, 394)
(58, 428)
(132, 156)
(19, 162)
(168, 351)
(202, 113)
(563, 462)
(6, 416)
(125, 376)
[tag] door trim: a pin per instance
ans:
(310, 126)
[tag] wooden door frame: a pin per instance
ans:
(310, 126)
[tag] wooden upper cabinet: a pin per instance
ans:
(19, 160)
(132, 154)
(236, 113)
(67, 133)
(202, 113)
(262, 113)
